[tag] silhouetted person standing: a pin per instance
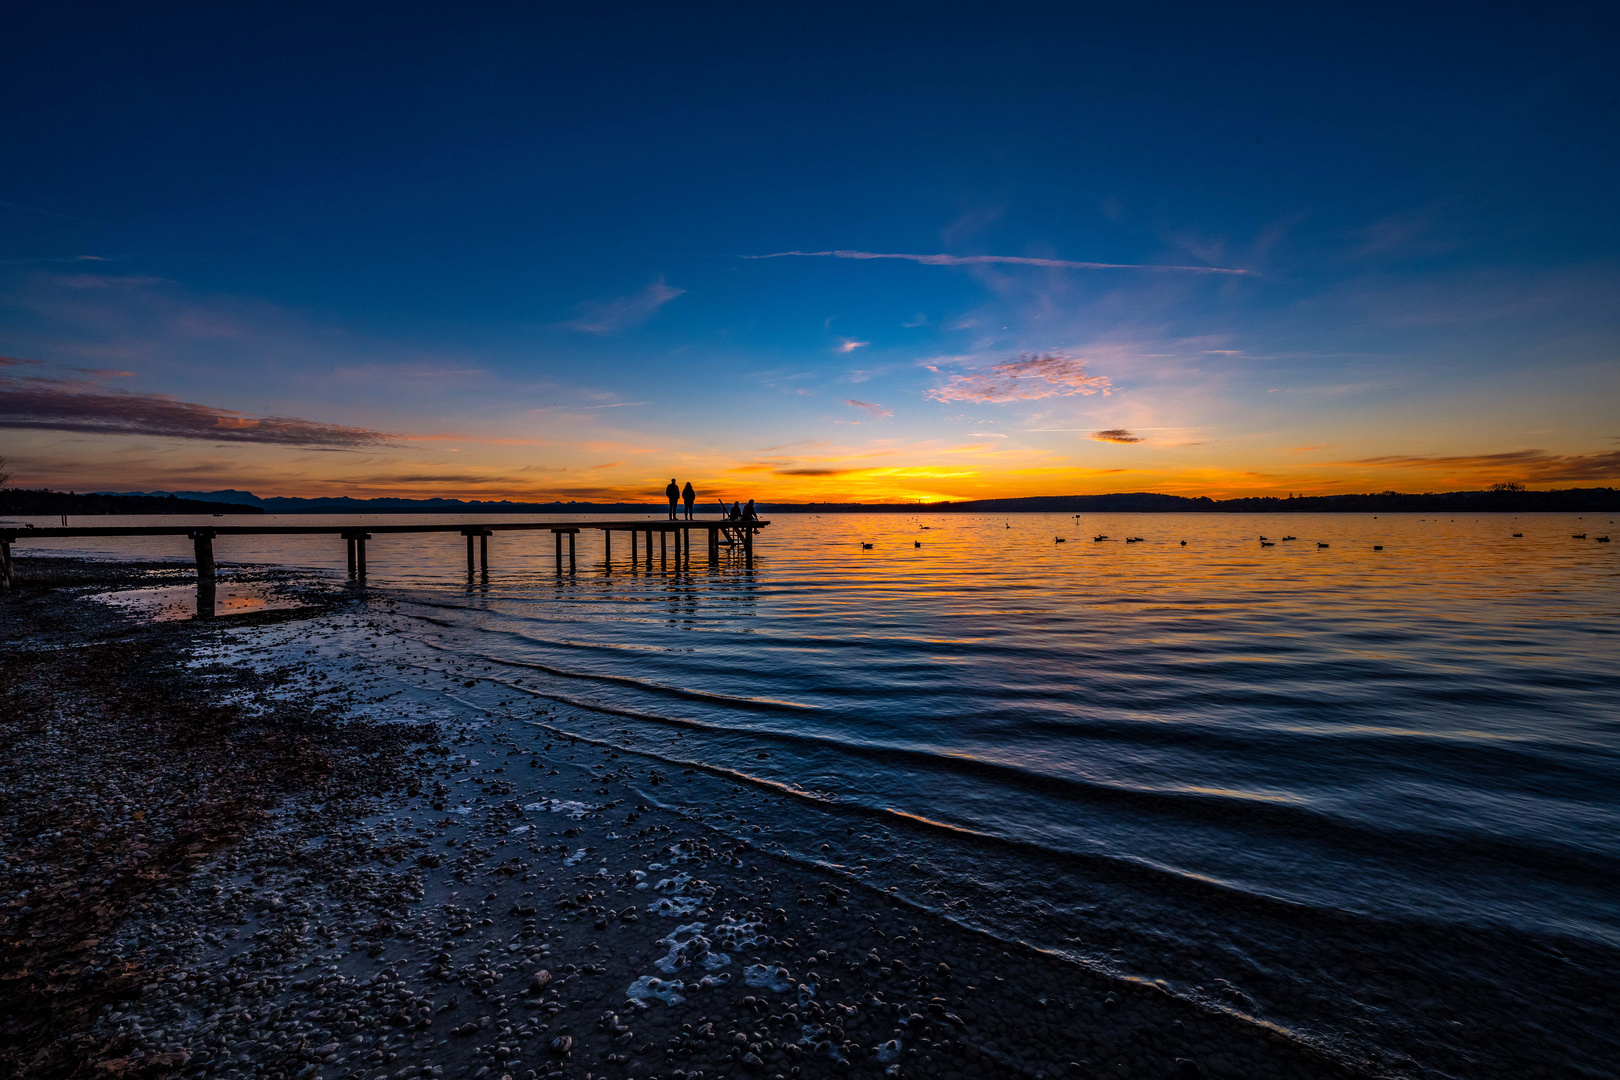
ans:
(674, 493)
(688, 496)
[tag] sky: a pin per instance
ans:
(827, 252)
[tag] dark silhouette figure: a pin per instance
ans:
(688, 496)
(736, 512)
(674, 494)
(749, 514)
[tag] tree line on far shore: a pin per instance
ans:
(1503, 498)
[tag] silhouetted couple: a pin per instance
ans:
(741, 513)
(676, 494)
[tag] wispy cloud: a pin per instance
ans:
(617, 405)
(1028, 378)
(1536, 466)
(71, 405)
(1119, 435)
(849, 345)
(875, 410)
(623, 312)
(1000, 260)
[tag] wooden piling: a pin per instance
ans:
(571, 533)
(470, 568)
(202, 544)
(348, 542)
(360, 553)
(5, 564)
(483, 551)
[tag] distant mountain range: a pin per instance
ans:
(1568, 499)
(36, 503)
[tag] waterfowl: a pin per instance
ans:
(1184, 543)
(866, 546)
(1602, 539)
(1098, 539)
(1262, 538)
(1577, 536)
(1321, 545)
(916, 543)
(1518, 534)
(1059, 540)
(1268, 543)
(1290, 538)
(1378, 547)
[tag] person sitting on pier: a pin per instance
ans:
(688, 496)
(749, 513)
(736, 512)
(674, 494)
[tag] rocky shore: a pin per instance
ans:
(225, 869)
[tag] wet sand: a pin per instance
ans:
(233, 869)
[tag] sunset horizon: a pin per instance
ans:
(884, 541)
(312, 256)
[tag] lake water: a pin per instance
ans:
(1370, 796)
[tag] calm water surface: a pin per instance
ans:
(1368, 795)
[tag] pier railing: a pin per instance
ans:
(674, 539)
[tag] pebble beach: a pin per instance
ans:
(225, 868)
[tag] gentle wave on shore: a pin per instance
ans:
(1367, 795)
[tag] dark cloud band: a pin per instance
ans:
(67, 405)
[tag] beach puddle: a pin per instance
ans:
(175, 602)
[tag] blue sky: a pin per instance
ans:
(510, 251)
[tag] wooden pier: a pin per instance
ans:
(674, 538)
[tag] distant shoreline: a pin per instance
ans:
(1567, 500)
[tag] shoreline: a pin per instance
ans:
(302, 925)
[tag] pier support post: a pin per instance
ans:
(469, 537)
(483, 551)
(607, 547)
(360, 553)
(348, 542)
(5, 563)
(559, 534)
(748, 548)
(202, 543)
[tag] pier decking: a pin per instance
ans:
(674, 538)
